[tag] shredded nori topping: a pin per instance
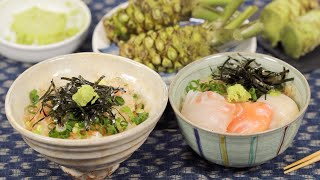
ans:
(63, 107)
(250, 74)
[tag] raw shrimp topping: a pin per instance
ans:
(240, 97)
(82, 109)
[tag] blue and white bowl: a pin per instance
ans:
(230, 149)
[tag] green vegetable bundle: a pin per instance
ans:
(171, 48)
(145, 15)
(278, 13)
(302, 35)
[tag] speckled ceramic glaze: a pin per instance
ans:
(88, 157)
(230, 149)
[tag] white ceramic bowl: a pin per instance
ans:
(229, 149)
(100, 42)
(98, 156)
(36, 53)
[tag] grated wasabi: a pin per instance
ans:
(41, 27)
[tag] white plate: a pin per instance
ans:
(101, 44)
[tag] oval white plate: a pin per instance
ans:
(101, 44)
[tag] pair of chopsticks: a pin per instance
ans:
(315, 157)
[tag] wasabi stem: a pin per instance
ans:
(229, 10)
(214, 2)
(222, 36)
(236, 22)
(205, 13)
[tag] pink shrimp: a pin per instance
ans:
(250, 117)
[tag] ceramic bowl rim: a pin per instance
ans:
(87, 142)
(185, 69)
(84, 8)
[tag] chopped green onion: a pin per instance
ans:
(106, 121)
(34, 97)
(253, 94)
(61, 128)
(140, 118)
(55, 134)
(128, 111)
(124, 124)
(119, 100)
(195, 85)
(32, 109)
(111, 129)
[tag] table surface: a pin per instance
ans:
(165, 154)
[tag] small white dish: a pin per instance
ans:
(100, 43)
(36, 53)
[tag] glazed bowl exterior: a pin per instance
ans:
(36, 53)
(79, 157)
(231, 149)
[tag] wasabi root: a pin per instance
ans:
(278, 13)
(302, 35)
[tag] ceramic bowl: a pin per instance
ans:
(230, 149)
(100, 42)
(87, 157)
(80, 17)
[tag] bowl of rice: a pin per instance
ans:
(239, 109)
(87, 112)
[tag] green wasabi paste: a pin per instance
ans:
(84, 95)
(41, 27)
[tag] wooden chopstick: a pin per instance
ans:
(303, 162)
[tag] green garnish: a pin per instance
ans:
(136, 117)
(250, 74)
(121, 124)
(72, 98)
(195, 85)
(141, 117)
(67, 128)
(274, 92)
(34, 97)
(56, 134)
(119, 100)
(32, 109)
(253, 94)
(111, 129)
(128, 111)
(237, 93)
(84, 95)
(80, 106)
